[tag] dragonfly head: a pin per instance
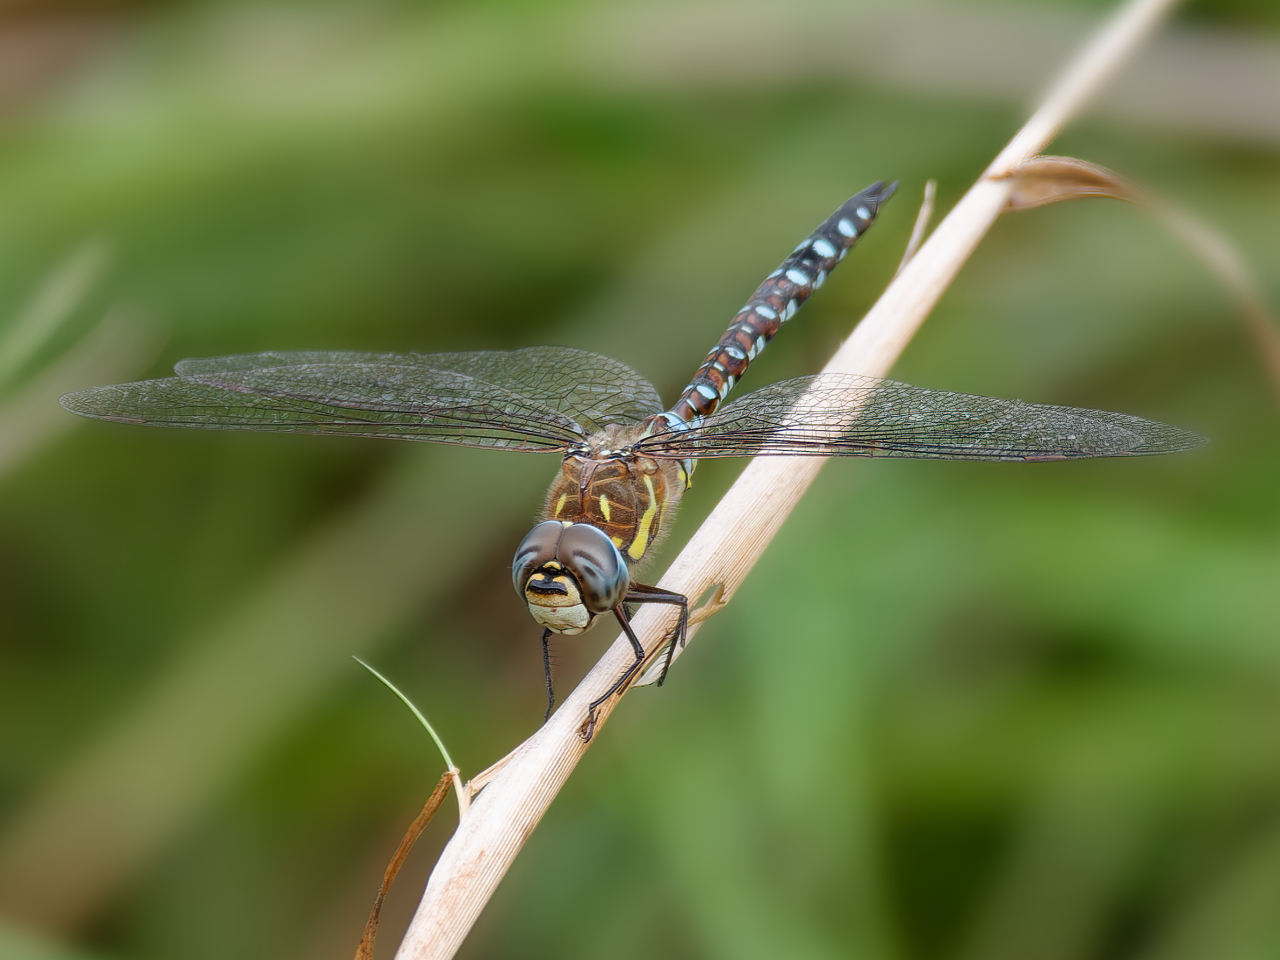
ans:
(569, 574)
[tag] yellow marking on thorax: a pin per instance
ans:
(644, 529)
(604, 507)
(560, 505)
(686, 472)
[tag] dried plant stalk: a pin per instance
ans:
(727, 545)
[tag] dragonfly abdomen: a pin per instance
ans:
(776, 301)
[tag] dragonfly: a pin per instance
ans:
(626, 459)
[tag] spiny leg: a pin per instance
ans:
(621, 613)
(546, 668)
(640, 593)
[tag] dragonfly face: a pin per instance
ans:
(569, 574)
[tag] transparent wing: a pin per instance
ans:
(841, 415)
(537, 399)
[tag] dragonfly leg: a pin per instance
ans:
(620, 611)
(640, 593)
(546, 668)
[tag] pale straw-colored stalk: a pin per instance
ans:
(724, 549)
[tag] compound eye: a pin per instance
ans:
(595, 563)
(535, 550)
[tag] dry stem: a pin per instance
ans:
(734, 536)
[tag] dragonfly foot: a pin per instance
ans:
(588, 729)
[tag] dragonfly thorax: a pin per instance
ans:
(568, 574)
(627, 496)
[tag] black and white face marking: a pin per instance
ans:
(568, 574)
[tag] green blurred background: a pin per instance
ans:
(960, 710)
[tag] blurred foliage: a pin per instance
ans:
(963, 710)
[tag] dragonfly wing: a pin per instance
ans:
(592, 389)
(845, 415)
(540, 399)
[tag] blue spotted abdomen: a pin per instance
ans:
(776, 300)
